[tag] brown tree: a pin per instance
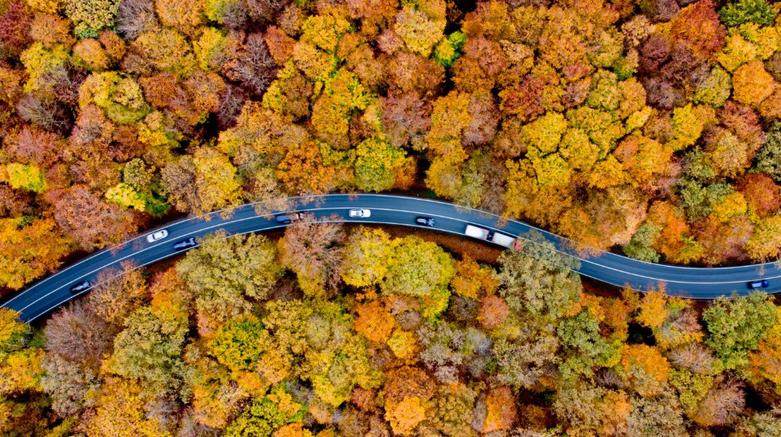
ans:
(721, 406)
(252, 65)
(762, 194)
(79, 335)
(313, 250)
(117, 293)
(89, 220)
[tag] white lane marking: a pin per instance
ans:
(341, 208)
(520, 236)
(135, 267)
(314, 199)
(211, 215)
(356, 197)
(119, 260)
(565, 239)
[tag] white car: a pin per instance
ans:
(362, 213)
(157, 235)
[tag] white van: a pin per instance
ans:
(489, 235)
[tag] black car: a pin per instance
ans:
(425, 221)
(185, 244)
(81, 286)
(754, 285)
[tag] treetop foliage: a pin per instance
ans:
(578, 116)
(650, 127)
(444, 346)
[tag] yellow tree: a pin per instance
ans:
(20, 375)
(119, 411)
(366, 256)
(29, 249)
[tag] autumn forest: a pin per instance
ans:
(334, 331)
(651, 128)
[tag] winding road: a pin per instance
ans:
(694, 282)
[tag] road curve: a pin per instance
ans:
(694, 282)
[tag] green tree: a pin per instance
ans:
(377, 164)
(239, 343)
(738, 12)
(538, 281)
(343, 94)
(453, 409)
(449, 49)
(137, 174)
(715, 89)
(653, 415)
(42, 63)
(688, 123)
(420, 269)
(145, 185)
(263, 417)
(524, 360)
(417, 268)
(421, 28)
(14, 335)
(698, 199)
(21, 356)
(216, 180)
(585, 347)
(211, 49)
(149, 351)
(201, 182)
(229, 12)
(163, 49)
(735, 326)
(25, 176)
(124, 195)
(366, 255)
(116, 94)
(768, 159)
(588, 409)
(765, 242)
(91, 16)
(227, 273)
(318, 335)
(641, 245)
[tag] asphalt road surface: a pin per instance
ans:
(694, 282)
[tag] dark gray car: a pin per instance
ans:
(81, 286)
(185, 244)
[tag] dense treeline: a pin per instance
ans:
(327, 332)
(649, 125)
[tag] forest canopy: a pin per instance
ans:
(246, 336)
(648, 127)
